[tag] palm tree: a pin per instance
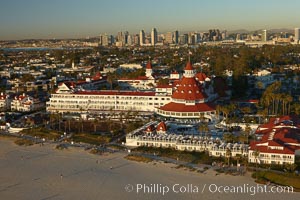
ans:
(247, 132)
(238, 158)
(256, 155)
(228, 155)
(95, 123)
(218, 110)
(289, 99)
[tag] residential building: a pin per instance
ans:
(25, 103)
(279, 142)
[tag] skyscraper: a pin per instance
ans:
(169, 38)
(142, 37)
(176, 37)
(107, 40)
(120, 37)
(297, 35)
(125, 37)
(153, 36)
(264, 36)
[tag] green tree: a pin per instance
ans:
(228, 155)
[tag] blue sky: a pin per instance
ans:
(80, 18)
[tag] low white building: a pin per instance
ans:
(155, 134)
(265, 77)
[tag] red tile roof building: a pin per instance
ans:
(279, 141)
(189, 99)
(25, 103)
(142, 82)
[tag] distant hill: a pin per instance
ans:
(277, 30)
(239, 31)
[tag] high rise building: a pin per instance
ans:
(136, 39)
(176, 37)
(197, 38)
(120, 37)
(169, 38)
(183, 39)
(129, 40)
(224, 35)
(191, 38)
(142, 37)
(125, 37)
(297, 35)
(153, 36)
(264, 36)
(107, 40)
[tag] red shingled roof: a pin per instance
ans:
(3, 96)
(115, 92)
(201, 76)
(179, 107)
(150, 128)
(266, 149)
(161, 127)
(164, 86)
(279, 132)
(189, 89)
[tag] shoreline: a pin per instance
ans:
(43, 172)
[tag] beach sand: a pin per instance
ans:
(36, 172)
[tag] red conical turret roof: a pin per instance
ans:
(149, 66)
(189, 66)
(189, 89)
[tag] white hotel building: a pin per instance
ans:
(82, 101)
(188, 98)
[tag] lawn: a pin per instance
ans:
(186, 156)
(138, 158)
(286, 179)
(24, 142)
(91, 138)
(42, 133)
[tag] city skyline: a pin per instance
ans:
(74, 19)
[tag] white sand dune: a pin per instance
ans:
(35, 173)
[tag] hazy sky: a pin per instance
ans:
(80, 18)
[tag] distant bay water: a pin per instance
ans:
(17, 49)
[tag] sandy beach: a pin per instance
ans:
(36, 172)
